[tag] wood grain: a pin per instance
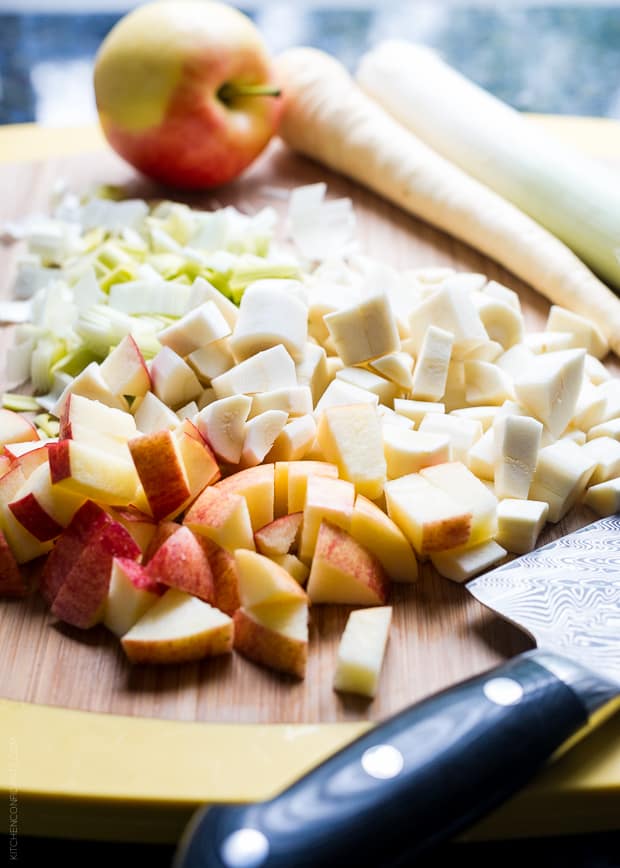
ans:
(440, 634)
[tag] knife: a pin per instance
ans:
(433, 769)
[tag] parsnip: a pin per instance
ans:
(570, 195)
(366, 144)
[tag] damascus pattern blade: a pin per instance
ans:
(566, 595)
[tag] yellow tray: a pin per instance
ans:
(102, 776)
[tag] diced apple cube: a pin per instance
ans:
(604, 498)
(270, 369)
(562, 474)
(294, 441)
(550, 388)
(223, 517)
(326, 498)
(517, 441)
(15, 428)
(343, 571)
(178, 628)
(519, 523)
(374, 530)
(292, 481)
(461, 564)
(181, 562)
(274, 636)
(256, 485)
(43, 509)
(430, 519)
(159, 464)
(361, 651)
(264, 583)
(127, 598)
(124, 370)
(431, 369)
(12, 582)
(409, 451)
(280, 536)
(90, 383)
(388, 417)
(461, 484)
(296, 568)
(90, 472)
(364, 331)
(351, 437)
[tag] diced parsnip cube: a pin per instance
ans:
(207, 396)
(417, 410)
(498, 290)
(548, 342)
(562, 474)
(174, 382)
(574, 434)
(453, 310)
(260, 434)
(515, 360)
(311, 371)
(596, 371)
(460, 483)
(363, 379)
(212, 360)
(485, 383)
(90, 383)
(454, 396)
(517, 441)
(294, 441)
(466, 281)
(409, 451)
(350, 436)
(611, 391)
(270, 369)
(339, 394)
(488, 352)
(199, 327)
(365, 331)
(361, 651)
(606, 429)
(269, 315)
(373, 529)
(550, 388)
(124, 369)
(292, 482)
(604, 498)
(296, 568)
(481, 456)
(188, 411)
(519, 523)
(585, 333)
(203, 291)
(430, 275)
(503, 323)
(430, 519)
(153, 415)
(296, 401)
(397, 368)
(333, 364)
(590, 408)
(329, 499)
(605, 451)
(485, 414)
(222, 423)
(463, 433)
(462, 563)
(431, 369)
(389, 417)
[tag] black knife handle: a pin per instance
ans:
(420, 777)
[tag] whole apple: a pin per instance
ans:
(185, 92)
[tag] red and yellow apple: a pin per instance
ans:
(185, 92)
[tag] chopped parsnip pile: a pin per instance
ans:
(237, 428)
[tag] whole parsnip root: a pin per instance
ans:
(328, 118)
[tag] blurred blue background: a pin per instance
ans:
(549, 56)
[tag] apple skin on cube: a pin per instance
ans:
(124, 370)
(129, 596)
(159, 466)
(275, 637)
(42, 509)
(181, 562)
(92, 473)
(264, 583)
(81, 598)
(281, 536)
(331, 499)
(343, 571)
(223, 517)
(31, 515)
(373, 529)
(140, 525)
(178, 628)
(225, 576)
(12, 582)
(15, 428)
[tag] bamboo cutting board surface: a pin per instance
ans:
(440, 634)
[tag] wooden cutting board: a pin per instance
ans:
(440, 634)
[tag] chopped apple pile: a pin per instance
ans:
(234, 435)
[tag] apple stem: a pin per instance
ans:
(228, 92)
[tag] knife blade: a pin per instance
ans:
(433, 769)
